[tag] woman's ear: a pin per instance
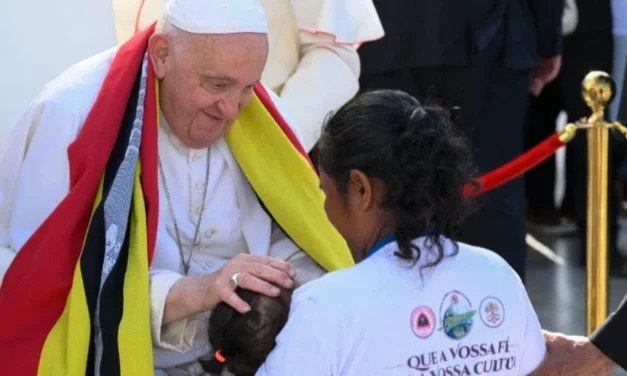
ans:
(360, 190)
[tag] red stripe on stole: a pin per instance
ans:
(269, 104)
(36, 286)
(148, 154)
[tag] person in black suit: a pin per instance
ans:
(479, 58)
(589, 47)
(604, 350)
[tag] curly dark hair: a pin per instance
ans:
(245, 340)
(418, 154)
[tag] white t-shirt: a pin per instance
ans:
(469, 315)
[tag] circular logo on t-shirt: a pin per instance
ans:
(456, 315)
(492, 312)
(423, 322)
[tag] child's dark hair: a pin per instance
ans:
(415, 151)
(245, 340)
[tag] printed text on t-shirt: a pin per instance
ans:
(476, 359)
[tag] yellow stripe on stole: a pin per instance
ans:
(292, 195)
(134, 336)
(67, 345)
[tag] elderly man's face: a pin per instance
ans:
(206, 80)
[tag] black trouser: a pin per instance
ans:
(540, 124)
(581, 54)
(493, 101)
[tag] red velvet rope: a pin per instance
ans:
(517, 167)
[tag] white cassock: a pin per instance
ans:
(34, 178)
(313, 63)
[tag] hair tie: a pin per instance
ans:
(219, 357)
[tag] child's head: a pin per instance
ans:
(245, 340)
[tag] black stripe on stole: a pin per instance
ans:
(111, 305)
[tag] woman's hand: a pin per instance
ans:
(192, 295)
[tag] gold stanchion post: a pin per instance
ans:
(598, 90)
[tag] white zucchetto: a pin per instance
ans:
(217, 16)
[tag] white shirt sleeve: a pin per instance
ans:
(325, 79)
(38, 161)
(10, 166)
(176, 336)
(34, 175)
(534, 347)
(285, 112)
(302, 348)
(327, 74)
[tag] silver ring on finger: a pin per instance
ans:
(234, 280)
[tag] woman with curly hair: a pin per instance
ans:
(417, 302)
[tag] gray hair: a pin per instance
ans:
(176, 35)
(166, 27)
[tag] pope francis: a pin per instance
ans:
(141, 188)
(313, 64)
